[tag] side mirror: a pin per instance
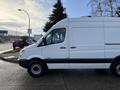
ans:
(44, 42)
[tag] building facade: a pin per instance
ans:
(3, 33)
(3, 36)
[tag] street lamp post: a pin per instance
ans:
(29, 28)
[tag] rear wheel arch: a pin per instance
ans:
(115, 63)
(116, 59)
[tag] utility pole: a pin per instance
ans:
(29, 27)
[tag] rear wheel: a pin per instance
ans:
(36, 68)
(115, 68)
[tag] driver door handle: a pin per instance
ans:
(62, 47)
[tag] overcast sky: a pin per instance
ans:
(39, 10)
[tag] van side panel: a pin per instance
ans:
(89, 42)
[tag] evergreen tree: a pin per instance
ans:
(57, 15)
(118, 12)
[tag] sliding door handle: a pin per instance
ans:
(73, 47)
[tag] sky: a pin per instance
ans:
(17, 21)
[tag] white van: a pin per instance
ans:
(76, 43)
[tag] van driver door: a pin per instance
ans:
(56, 48)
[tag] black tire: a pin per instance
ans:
(115, 68)
(36, 69)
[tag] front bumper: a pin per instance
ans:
(23, 63)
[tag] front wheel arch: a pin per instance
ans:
(38, 60)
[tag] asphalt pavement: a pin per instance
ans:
(5, 47)
(14, 77)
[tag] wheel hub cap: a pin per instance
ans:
(36, 69)
(118, 69)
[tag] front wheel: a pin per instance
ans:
(36, 69)
(115, 68)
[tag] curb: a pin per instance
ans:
(11, 60)
(1, 52)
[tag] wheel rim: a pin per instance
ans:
(118, 69)
(36, 69)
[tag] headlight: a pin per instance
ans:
(21, 53)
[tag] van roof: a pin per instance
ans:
(106, 19)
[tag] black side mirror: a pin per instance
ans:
(44, 42)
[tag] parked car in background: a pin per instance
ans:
(0, 40)
(21, 43)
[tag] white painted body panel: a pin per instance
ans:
(79, 66)
(89, 35)
(112, 36)
(89, 42)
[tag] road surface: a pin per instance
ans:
(5, 46)
(14, 77)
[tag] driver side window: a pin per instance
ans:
(49, 38)
(56, 36)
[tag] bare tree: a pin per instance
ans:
(104, 7)
(96, 8)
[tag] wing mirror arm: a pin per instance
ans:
(44, 42)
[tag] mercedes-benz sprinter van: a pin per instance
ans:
(76, 43)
